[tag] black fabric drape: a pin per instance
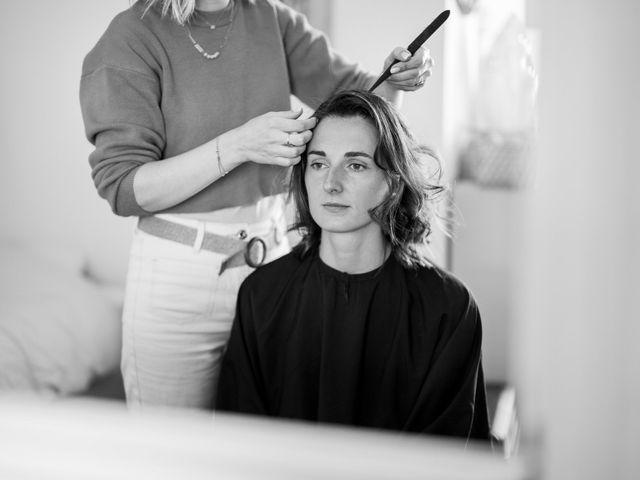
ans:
(394, 348)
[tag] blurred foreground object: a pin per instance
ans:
(60, 329)
(73, 439)
(505, 426)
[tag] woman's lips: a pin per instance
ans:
(335, 207)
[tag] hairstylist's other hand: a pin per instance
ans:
(411, 71)
(274, 138)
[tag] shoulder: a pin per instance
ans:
(446, 291)
(128, 41)
(284, 14)
(452, 286)
(130, 19)
(275, 6)
(265, 7)
(259, 16)
(136, 22)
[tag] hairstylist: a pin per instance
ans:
(187, 103)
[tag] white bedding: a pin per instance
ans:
(58, 330)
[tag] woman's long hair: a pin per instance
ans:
(179, 10)
(412, 171)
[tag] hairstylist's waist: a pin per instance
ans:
(244, 186)
(241, 243)
(264, 210)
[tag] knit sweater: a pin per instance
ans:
(146, 93)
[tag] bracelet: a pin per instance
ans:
(223, 172)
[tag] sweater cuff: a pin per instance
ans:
(125, 203)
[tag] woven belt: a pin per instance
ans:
(252, 252)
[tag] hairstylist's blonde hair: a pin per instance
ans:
(180, 10)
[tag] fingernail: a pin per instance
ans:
(405, 55)
(395, 69)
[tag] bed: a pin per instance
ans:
(59, 329)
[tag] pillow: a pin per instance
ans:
(58, 330)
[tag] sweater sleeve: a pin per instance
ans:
(315, 69)
(120, 103)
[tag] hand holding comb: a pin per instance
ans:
(413, 46)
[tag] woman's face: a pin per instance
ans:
(343, 181)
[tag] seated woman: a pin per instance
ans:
(355, 326)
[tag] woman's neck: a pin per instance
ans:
(211, 5)
(352, 253)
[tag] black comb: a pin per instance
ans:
(419, 40)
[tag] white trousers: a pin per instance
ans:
(178, 313)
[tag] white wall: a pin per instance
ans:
(578, 322)
(46, 192)
(486, 244)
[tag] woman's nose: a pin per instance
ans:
(333, 181)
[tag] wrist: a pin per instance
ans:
(221, 170)
(227, 154)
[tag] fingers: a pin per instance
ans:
(293, 146)
(296, 139)
(295, 133)
(412, 73)
(285, 113)
(279, 138)
(288, 151)
(286, 155)
(410, 79)
(421, 60)
(290, 120)
(291, 125)
(397, 54)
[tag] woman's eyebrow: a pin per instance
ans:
(358, 154)
(321, 153)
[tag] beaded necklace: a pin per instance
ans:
(216, 54)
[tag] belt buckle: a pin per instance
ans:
(256, 247)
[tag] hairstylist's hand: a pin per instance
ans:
(275, 138)
(410, 72)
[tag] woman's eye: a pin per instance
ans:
(357, 167)
(315, 165)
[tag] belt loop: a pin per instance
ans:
(197, 244)
(278, 232)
